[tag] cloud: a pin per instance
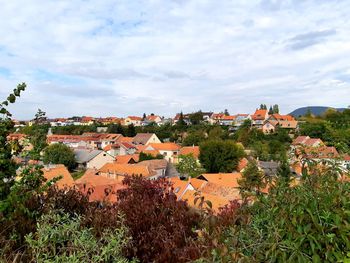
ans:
(128, 57)
(309, 39)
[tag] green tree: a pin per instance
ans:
(252, 180)
(116, 128)
(40, 116)
(220, 156)
(7, 166)
(131, 131)
(62, 238)
(181, 122)
(193, 138)
(59, 153)
(145, 156)
(196, 118)
(275, 109)
(189, 166)
(271, 110)
(226, 112)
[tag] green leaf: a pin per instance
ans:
(11, 98)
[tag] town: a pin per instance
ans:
(102, 159)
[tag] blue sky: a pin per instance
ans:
(117, 58)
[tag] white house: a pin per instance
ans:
(92, 159)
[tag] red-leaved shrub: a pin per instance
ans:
(161, 227)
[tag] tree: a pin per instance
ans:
(226, 112)
(181, 122)
(116, 128)
(59, 153)
(161, 227)
(270, 110)
(40, 116)
(275, 109)
(220, 156)
(7, 166)
(196, 117)
(189, 166)
(193, 138)
(144, 157)
(252, 180)
(144, 117)
(131, 131)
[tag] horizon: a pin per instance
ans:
(129, 58)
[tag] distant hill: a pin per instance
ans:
(315, 110)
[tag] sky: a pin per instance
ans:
(119, 58)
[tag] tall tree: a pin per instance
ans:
(181, 122)
(40, 116)
(131, 131)
(220, 156)
(276, 109)
(252, 180)
(7, 166)
(58, 153)
(271, 110)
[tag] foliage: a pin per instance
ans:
(116, 128)
(74, 129)
(39, 117)
(7, 166)
(161, 227)
(252, 180)
(189, 166)
(304, 223)
(220, 156)
(130, 131)
(196, 117)
(37, 137)
(59, 153)
(145, 156)
(62, 238)
(193, 138)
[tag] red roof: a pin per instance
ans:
(259, 115)
(194, 150)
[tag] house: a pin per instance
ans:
(186, 118)
(120, 148)
(157, 168)
(270, 126)
(224, 179)
(269, 168)
(154, 118)
(240, 119)
(87, 121)
(188, 150)
(108, 139)
(259, 117)
(22, 139)
(58, 171)
(127, 159)
(179, 187)
(136, 121)
(92, 159)
(99, 188)
(119, 171)
(307, 141)
(169, 150)
(145, 138)
(227, 120)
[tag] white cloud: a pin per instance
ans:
(128, 57)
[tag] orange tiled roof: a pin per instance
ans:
(242, 164)
(57, 171)
(194, 150)
(259, 115)
(135, 118)
(16, 136)
(230, 193)
(125, 169)
(300, 140)
(224, 179)
(179, 186)
(167, 146)
(197, 183)
(125, 139)
(216, 201)
(123, 159)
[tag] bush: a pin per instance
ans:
(161, 227)
(58, 153)
(220, 156)
(61, 238)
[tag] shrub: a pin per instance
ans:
(161, 227)
(61, 238)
